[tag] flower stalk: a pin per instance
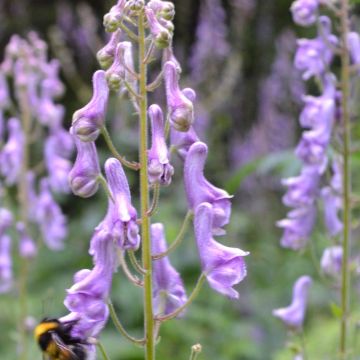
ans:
(345, 88)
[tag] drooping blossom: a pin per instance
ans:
(27, 246)
(162, 9)
(199, 190)
(223, 266)
(88, 121)
(106, 55)
(160, 34)
(121, 217)
(313, 56)
(6, 272)
(113, 18)
(293, 315)
(52, 222)
(168, 288)
(159, 167)
(83, 177)
(332, 204)
(11, 156)
(304, 12)
(331, 261)
(181, 110)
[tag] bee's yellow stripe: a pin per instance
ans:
(44, 327)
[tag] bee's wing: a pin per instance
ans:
(63, 347)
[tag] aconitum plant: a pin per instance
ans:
(141, 33)
(324, 150)
(34, 159)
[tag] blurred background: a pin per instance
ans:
(237, 55)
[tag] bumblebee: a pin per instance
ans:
(56, 342)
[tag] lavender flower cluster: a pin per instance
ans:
(118, 233)
(29, 87)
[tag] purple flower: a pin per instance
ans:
(113, 18)
(6, 273)
(297, 227)
(304, 12)
(49, 216)
(332, 204)
(6, 219)
(58, 167)
(181, 109)
(353, 43)
(223, 266)
(199, 190)
(27, 246)
(168, 288)
(51, 84)
(88, 120)
(293, 315)
(83, 177)
(313, 56)
(121, 217)
(159, 168)
(11, 156)
(49, 113)
(331, 261)
(106, 55)
(4, 91)
(303, 189)
(161, 35)
(162, 9)
(86, 299)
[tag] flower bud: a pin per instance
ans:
(114, 17)
(88, 120)
(161, 35)
(135, 5)
(27, 246)
(181, 110)
(304, 12)
(83, 177)
(163, 9)
(106, 55)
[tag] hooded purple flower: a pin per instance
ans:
(86, 299)
(313, 56)
(159, 167)
(6, 273)
(168, 288)
(6, 219)
(303, 189)
(223, 266)
(50, 218)
(199, 190)
(4, 92)
(27, 246)
(11, 156)
(181, 110)
(106, 55)
(331, 261)
(161, 35)
(83, 177)
(304, 12)
(162, 9)
(293, 315)
(297, 227)
(332, 204)
(353, 43)
(121, 217)
(113, 18)
(57, 165)
(88, 120)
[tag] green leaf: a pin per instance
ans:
(336, 310)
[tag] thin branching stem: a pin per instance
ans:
(191, 298)
(105, 186)
(135, 263)
(132, 278)
(129, 32)
(156, 83)
(155, 200)
(102, 350)
(110, 145)
(121, 328)
(179, 238)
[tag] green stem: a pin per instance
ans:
(191, 298)
(132, 278)
(144, 194)
(120, 328)
(110, 145)
(105, 186)
(24, 209)
(345, 87)
(155, 200)
(179, 238)
(195, 351)
(102, 350)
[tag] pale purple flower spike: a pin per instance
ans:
(6, 272)
(293, 315)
